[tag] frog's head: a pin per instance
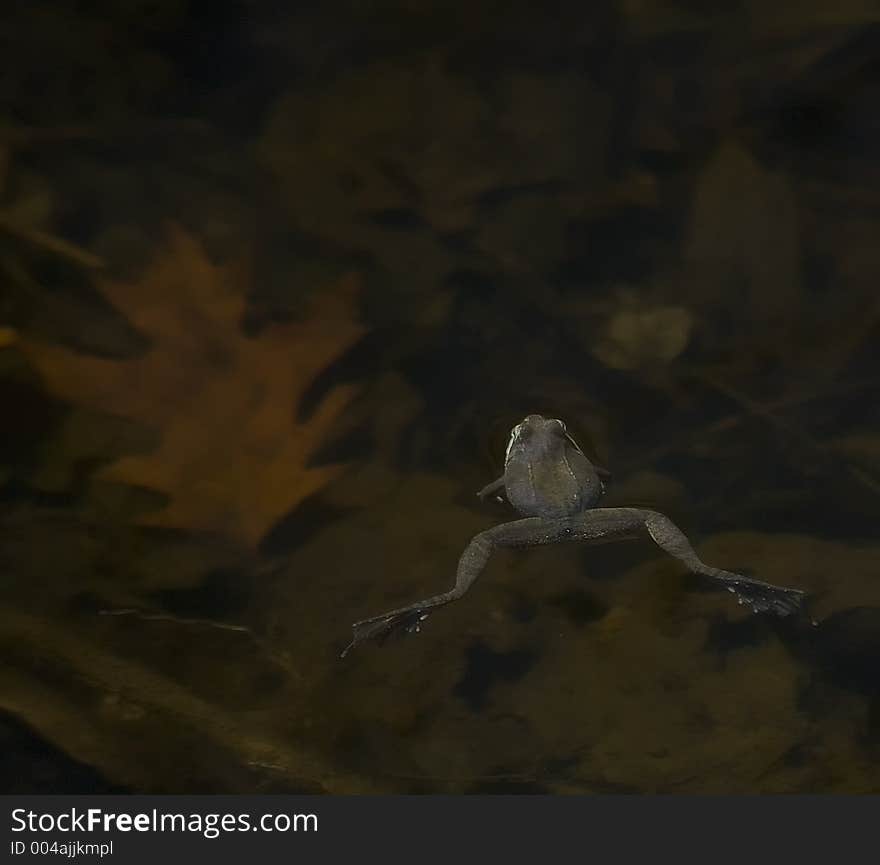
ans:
(536, 437)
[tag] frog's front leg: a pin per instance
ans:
(531, 531)
(489, 489)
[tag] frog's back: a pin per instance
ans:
(556, 486)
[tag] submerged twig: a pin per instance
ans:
(258, 641)
(30, 136)
(757, 409)
(51, 243)
(45, 664)
(180, 620)
(766, 410)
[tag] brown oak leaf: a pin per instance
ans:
(233, 457)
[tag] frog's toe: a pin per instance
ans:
(415, 626)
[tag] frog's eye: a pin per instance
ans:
(561, 425)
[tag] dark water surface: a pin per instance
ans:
(277, 280)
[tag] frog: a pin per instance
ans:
(557, 490)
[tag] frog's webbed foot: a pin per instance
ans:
(763, 597)
(380, 628)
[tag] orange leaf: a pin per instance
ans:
(232, 457)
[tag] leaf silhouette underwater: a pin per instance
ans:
(233, 458)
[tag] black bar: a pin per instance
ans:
(455, 829)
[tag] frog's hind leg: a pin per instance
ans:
(530, 531)
(761, 597)
(409, 618)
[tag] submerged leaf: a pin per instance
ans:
(232, 457)
(636, 337)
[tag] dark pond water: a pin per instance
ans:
(277, 281)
